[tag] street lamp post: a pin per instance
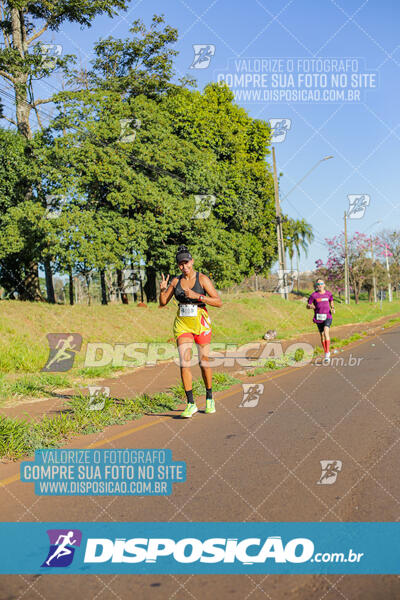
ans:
(388, 273)
(279, 233)
(346, 264)
(281, 245)
(306, 175)
(373, 271)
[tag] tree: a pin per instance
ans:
(17, 239)
(143, 180)
(135, 198)
(390, 238)
(359, 267)
(22, 62)
(138, 65)
(238, 238)
(297, 235)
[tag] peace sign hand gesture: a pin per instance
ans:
(164, 282)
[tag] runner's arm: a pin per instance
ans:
(167, 293)
(332, 306)
(212, 297)
(310, 302)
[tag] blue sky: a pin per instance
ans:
(363, 136)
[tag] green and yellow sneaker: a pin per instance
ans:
(210, 406)
(189, 411)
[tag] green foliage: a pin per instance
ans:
(30, 386)
(23, 61)
(132, 200)
(14, 437)
(299, 354)
(391, 322)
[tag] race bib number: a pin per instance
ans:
(188, 310)
(320, 317)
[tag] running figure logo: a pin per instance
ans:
(279, 129)
(251, 394)
(62, 547)
(63, 347)
(286, 278)
(54, 206)
(204, 204)
(97, 397)
(202, 55)
(50, 53)
(357, 205)
(128, 130)
(330, 470)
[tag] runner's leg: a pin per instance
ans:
(206, 372)
(185, 344)
(204, 358)
(327, 340)
(322, 334)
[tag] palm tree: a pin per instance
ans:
(299, 237)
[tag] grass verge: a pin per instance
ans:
(19, 438)
(300, 357)
(32, 386)
(243, 318)
(391, 322)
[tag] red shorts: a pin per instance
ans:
(201, 338)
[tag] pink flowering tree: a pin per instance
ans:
(384, 252)
(360, 266)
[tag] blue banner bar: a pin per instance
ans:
(224, 548)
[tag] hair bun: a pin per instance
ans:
(183, 248)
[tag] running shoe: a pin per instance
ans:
(327, 358)
(189, 411)
(210, 406)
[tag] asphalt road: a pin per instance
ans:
(251, 464)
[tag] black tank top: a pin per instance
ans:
(180, 293)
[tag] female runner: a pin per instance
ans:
(322, 302)
(193, 291)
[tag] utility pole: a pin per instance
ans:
(346, 264)
(388, 275)
(279, 235)
(373, 271)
